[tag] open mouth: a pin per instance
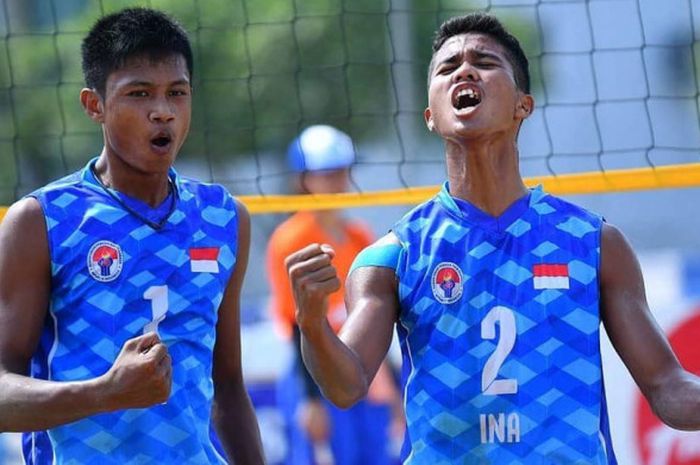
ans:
(161, 140)
(466, 98)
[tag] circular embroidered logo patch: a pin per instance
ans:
(447, 282)
(104, 261)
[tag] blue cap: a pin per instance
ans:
(320, 147)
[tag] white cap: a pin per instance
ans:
(321, 147)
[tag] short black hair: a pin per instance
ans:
(129, 33)
(484, 23)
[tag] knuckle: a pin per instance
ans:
(294, 271)
(290, 260)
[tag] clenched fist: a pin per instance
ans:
(141, 376)
(313, 279)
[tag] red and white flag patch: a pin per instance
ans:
(204, 259)
(551, 276)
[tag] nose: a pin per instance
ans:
(465, 72)
(162, 111)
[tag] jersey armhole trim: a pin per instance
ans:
(386, 256)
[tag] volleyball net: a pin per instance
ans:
(615, 81)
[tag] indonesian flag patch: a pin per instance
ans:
(551, 276)
(204, 259)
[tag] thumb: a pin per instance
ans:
(147, 341)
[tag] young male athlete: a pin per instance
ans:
(120, 284)
(497, 291)
(321, 157)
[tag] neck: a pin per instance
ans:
(114, 173)
(485, 174)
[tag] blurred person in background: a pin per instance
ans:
(318, 431)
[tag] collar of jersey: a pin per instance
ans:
(466, 211)
(156, 217)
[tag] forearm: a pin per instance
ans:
(28, 404)
(310, 388)
(676, 401)
(236, 424)
(334, 366)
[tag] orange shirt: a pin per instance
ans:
(295, 233)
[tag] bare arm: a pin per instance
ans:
(343, 366)
(140, 377)
(673, 393)
(232, 412)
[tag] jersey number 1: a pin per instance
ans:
(158, 295)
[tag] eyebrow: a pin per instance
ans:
(137, 83)
(478, 54)
(485, 54)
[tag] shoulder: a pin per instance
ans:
(205, 193)
(23, 228)
(612, 234)
(618, 261)
(58, 187)
(613, 242)
(414, 217)
(545, 204)
(241, 210)
(373, 273)
(213, 202)
(383, 253)
(243, 219)
(419, 210)
(387, 239)
(70, 180)
(25, 212)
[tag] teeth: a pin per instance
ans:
(467, 92)
(466, 98)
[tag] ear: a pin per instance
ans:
(92, 104)
(525, 106)
(428, 116)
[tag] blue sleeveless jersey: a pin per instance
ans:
(498, 327)
(115, 277)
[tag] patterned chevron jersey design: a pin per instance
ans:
(499, 332)
(113, 278)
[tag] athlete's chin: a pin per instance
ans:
(150, 163)
(163, 154)
(477, 130)
(465, 132)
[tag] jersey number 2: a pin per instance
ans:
(506, 320)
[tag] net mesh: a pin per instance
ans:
(615, 81)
